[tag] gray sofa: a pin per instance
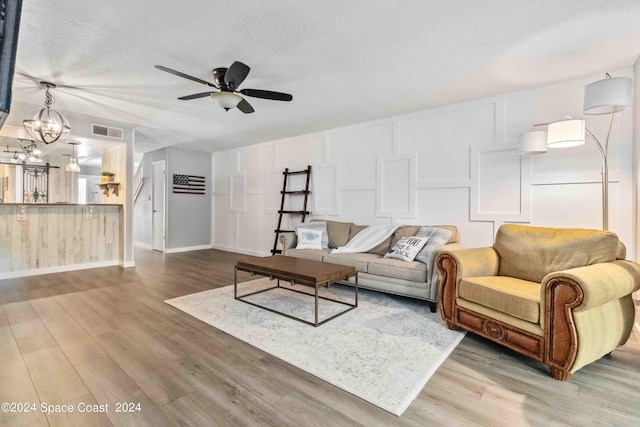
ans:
(413, 279)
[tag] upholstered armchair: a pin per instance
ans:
(560, 296)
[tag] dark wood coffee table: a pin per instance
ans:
(298, 272)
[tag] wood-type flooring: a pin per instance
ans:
(105, 336)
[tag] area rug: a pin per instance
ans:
(384, 351)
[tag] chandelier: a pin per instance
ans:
(30, 151)
(47, 125)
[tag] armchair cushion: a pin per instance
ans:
(516, 297)
(530, 253)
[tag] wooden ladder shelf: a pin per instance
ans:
(285, 192)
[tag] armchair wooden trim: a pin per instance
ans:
(560, 335)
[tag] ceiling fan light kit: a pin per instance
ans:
(226, 100)
(47, 125)
(227, 80)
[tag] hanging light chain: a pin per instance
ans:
(49, 100)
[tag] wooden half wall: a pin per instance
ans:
(54, 238)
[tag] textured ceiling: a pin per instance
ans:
(344, 61)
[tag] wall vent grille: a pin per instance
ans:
(107, 131)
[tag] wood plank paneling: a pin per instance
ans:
(56, 236)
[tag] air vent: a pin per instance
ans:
(107, 131)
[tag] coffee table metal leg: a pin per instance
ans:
(356, 288)
(316, 305)
(235, 282)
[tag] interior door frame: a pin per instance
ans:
(164, 204)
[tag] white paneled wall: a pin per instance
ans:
(452, 165)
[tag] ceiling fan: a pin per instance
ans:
(227, 81)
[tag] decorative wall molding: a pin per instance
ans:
(238, 193)
(396, 186)
(501, 185)
(455, 164)
(325, 189)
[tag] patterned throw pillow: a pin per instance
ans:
(437, 238)
(309, 239)
(318, 226)
(407, 248)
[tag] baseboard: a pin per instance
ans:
(241, 251)
(128, 264)
(143, 245)
(57, 269)
(186, 249)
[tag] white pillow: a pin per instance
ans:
(437, 238)
(407, 248)
(309, 239)
(319, 226)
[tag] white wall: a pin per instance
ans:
(452, 165)
(187, 216)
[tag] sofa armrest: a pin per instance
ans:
(288, 241)
(578, 293)
(474, 262)
(457, 264)
(599, 283)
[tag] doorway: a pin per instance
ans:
(157, 205)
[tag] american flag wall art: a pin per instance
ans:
(188, 184)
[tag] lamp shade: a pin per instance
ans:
(226, 100)
(566, 133)
(607, 96)
(534, 142)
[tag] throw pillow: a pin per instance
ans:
(407, 248)
(318, 226)
(309, 239)
(437, 238)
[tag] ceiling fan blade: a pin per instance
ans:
(195, 96)
(236, 74)
(245, 107)
(267, 94)
(183, 75)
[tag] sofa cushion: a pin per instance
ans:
(312, 254)
(404, 231)
(530, 253)
(338, 233)
(359, 261)
(355, 229)
(407, 270)
(516, 297)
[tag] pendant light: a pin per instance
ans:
(47, 125)
(73, 165)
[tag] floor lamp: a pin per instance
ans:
(606, 96)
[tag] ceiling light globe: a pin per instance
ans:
(22, 156)
(227, 100)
